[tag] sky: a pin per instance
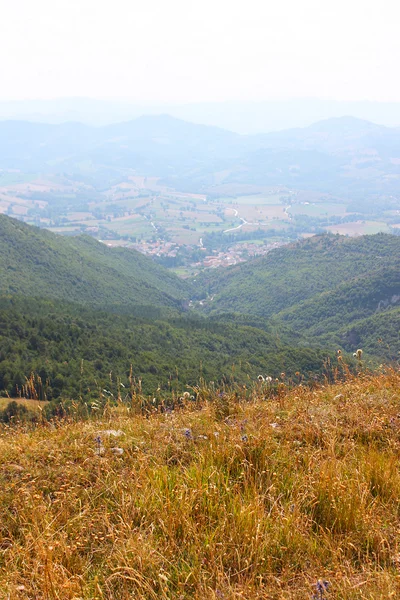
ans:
(182, 51)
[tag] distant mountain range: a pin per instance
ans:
(241, 117)
(346, 156)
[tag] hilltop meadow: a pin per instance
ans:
(259, 492)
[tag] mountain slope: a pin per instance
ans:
(35, 262)
(293, 274)
(337, 292)
(358, 298)
(155, 142)
(78, 350)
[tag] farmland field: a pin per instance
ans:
(313, 209)
(359, 228)
(143, 213)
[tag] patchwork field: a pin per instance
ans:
(130, 209)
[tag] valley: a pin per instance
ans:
(196, 197)
(199, 300)
(180, 252)
(84, 317)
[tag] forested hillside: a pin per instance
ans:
(35, 262)
(84, 318)
(295, 273)
(372, 298)
(77, 351)
(335, 291)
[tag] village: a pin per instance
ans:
(237, 253)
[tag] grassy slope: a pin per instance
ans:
(311, 493)
(35, 262)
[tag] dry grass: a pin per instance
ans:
(233, 500)
(30, 404)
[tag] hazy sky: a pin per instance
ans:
(188, 51)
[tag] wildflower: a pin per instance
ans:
(321, 587)
(245, 438)
(186, 395)
(99, 446)
(188, 433)
(260, 378)
(339, 352)
(359, 353)
(268, 379)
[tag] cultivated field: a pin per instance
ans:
(139, 210)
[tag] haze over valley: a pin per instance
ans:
(197, 196)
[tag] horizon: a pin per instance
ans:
(245, 118)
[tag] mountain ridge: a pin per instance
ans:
(37, 262)
(335, 156)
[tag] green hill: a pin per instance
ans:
(358, 298)
(378, 335)
(336, 291)
(35, 262)
(295, 273)
(79, 314)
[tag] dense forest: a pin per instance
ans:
(78, 352)
(292, 274)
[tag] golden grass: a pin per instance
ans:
(234, 500)
(30, 404)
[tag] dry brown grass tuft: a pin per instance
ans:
(234, 500)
